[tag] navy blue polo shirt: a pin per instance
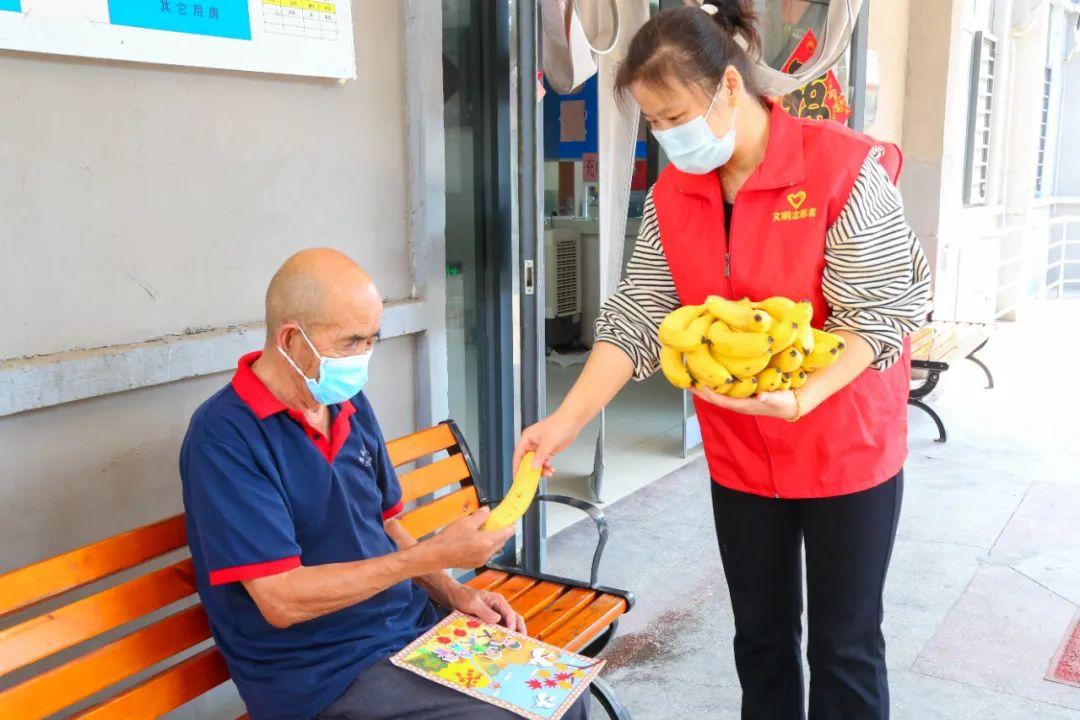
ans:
(264, 493)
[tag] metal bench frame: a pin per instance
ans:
(600, 688)
(934, 369)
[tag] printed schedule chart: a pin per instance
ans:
(300, 18)
(312, 38)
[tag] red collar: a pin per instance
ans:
(264, 403)
(252, 390)
(781, 167)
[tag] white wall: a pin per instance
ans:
(888, 37)
(971, 248)
(1067, 167)
(142, 200)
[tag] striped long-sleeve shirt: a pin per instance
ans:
(876, 279)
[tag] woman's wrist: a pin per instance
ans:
(572, 416)
(797, 413)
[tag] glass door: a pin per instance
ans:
(478, 254)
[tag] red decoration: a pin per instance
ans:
(460, 633)
(822, 98)
(640, 178)
(590, 167)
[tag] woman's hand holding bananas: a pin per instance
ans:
(749, 357)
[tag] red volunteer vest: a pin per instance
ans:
(858, 437)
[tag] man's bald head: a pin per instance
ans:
(320, 288)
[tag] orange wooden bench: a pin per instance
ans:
(88, 658)
(934, 348)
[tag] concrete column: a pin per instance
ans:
(925, 115)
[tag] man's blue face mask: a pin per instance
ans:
(339, 378)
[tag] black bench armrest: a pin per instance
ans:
(598, 519)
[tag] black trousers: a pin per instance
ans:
(848, 542)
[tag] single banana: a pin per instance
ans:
(737, 344)
(675, 330)
(743, 388)
(821, 357)
(805, 340)
(518, 498)
(706, 370)
(801, 314)
(786, 331)
(784, 334)
(798, 379)
(788, 361)
(828, 339)
(785, 382)
(739, 315)
(671, 362)
(742, 367)
(694, 337)
(776, 306)
(769, 379)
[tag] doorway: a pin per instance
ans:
(478, 233)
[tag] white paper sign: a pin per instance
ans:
(291, 37)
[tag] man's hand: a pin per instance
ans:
(490, 607)
(462, 544)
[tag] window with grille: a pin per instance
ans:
(1044, 132)
(980, 108)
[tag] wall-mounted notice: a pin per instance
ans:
(292, 37)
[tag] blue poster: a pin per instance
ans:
(217, 18)
(554, 147)
(12, 5)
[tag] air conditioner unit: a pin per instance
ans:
(562, 268)
(562, 287)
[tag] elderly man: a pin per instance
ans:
(308, 580)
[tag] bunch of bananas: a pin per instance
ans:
(740, 348)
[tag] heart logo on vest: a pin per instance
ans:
(797, 199)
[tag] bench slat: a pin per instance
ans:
(64, 627)
(420, 444)
(516, 586)
(67, 684)
(34, 583)
(439, 513)
(945, 341)
(487, 580)
(921, 342)
(553, 616)
(537, 598)
(587, 624)
(430, 478)
(165, 691)
(921, 333)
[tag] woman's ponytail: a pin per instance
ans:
(736, 17)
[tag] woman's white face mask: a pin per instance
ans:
(693, 148)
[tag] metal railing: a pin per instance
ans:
(1059, 259)
(1052, 269)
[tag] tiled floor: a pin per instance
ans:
(985, 576)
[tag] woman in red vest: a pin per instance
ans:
(757, 203)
